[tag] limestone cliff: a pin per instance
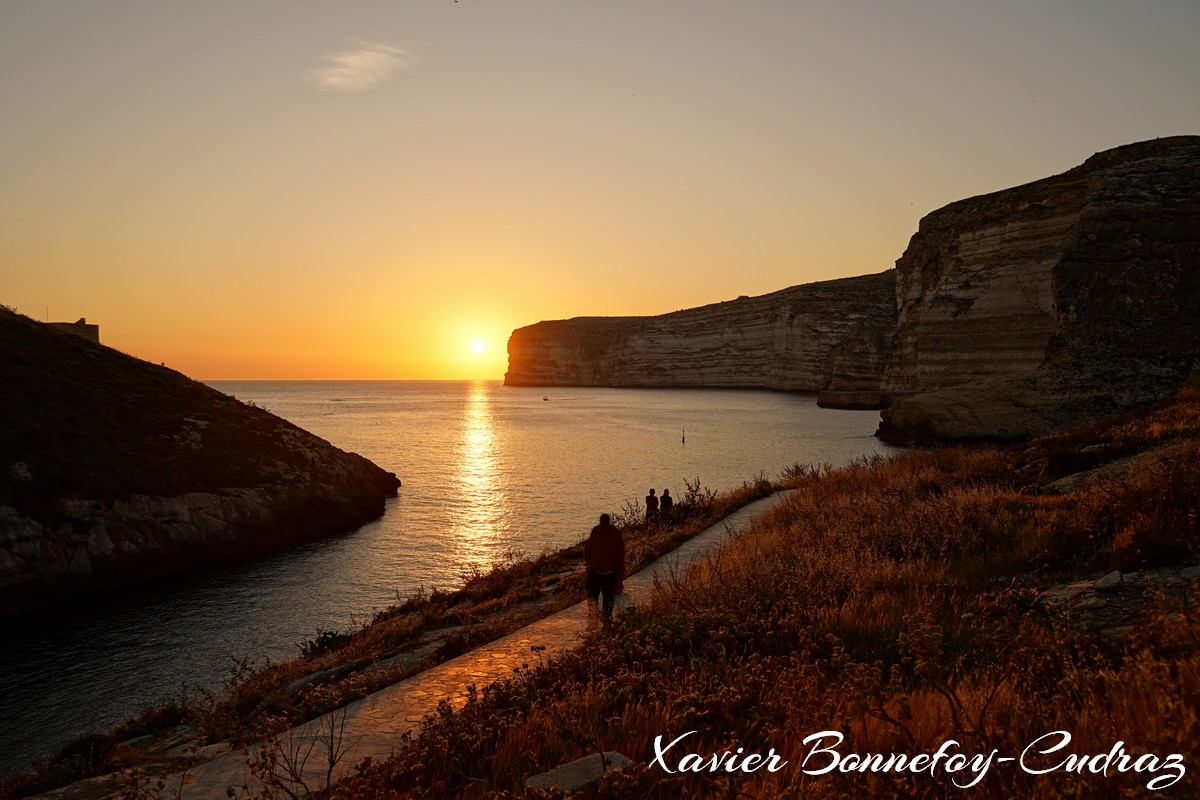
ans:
(830, 337)
(973, 287)
(1013, 313)
(113, 469)
(1073, 296)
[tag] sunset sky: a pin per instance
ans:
(386, 188)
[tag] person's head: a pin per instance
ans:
(605, 519)
(666, 492)
(651, 491)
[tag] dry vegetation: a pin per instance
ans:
(336, 668)
(894, 601)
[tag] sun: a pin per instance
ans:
(473, 352)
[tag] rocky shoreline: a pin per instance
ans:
(423, 631)
(114, 470)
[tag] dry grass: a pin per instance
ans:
(489, 604)
(420, 631)
(889, 601)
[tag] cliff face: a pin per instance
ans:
(1074, 296)
(830, 337)
(1013, 313)
(974, 286)
(113, 469)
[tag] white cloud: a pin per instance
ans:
(359, 66)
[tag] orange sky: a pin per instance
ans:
(363, 189)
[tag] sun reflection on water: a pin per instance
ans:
(482, 502)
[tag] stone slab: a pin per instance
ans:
(579, 773)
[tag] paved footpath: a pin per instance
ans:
(374, 725)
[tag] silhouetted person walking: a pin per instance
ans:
(651, 505)
(604, 555)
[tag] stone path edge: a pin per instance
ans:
(374, 726)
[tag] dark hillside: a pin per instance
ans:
(113, 468)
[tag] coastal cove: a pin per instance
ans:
(487, 470)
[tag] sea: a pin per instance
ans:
(489, 472)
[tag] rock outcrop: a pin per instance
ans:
(973, 287)
(1071, 297)
(1013, 313)
(830, 337)
(113, 469)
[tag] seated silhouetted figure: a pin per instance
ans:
(651, 505)
(666, 503)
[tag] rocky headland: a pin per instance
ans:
(831, 337)
(1072, 297)
(113, 469)
(1010, 314)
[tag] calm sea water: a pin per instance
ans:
(487, 469)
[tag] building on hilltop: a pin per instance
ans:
(79, 328)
